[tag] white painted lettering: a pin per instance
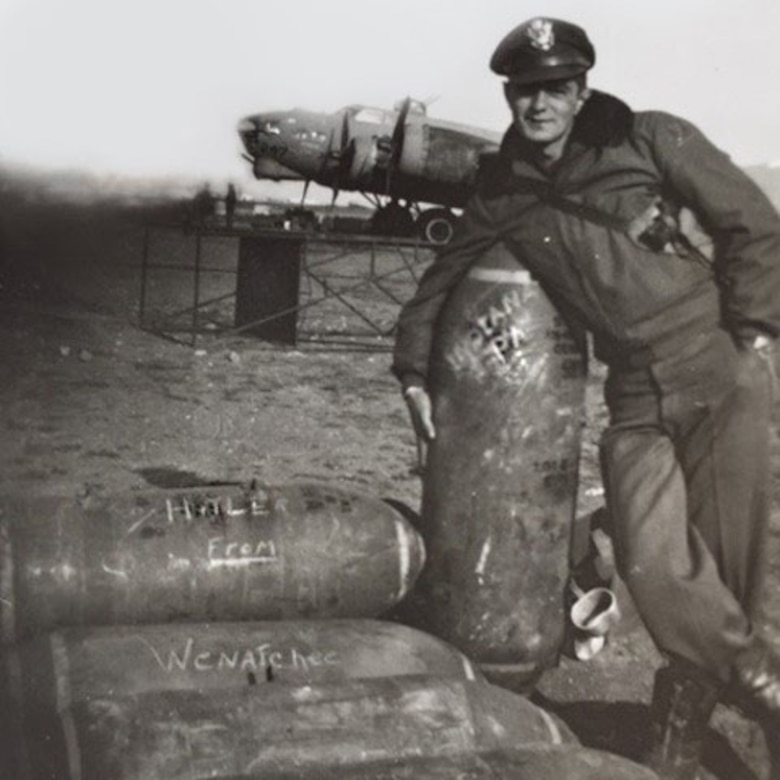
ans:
(299, 660)
(232, 511)
(262, 654)
(188, 659)
(182, 661)
(178, 507)
(276, 659)
(221, 553)
(315, 659)
(259, 503)
(227, 661)
(248, 661)
(203, 662)
(265, 548)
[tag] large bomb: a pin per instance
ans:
(224, 553)
(537, 762)
(507, 384)
(261, 731)
(80, 664)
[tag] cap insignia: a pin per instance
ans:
(540, 31)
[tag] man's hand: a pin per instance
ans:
(421, 411)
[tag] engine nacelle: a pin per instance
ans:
(370, 157)
(438, 154)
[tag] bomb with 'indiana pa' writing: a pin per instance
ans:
(507, 385)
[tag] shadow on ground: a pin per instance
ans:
(623, 728)
(172, 477)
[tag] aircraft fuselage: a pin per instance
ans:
(357, 148)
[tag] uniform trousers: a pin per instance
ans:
(685, 463)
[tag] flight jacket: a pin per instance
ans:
(586, 231)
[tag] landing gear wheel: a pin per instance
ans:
(436, 225)
(392, 220)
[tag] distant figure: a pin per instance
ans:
(230, 205)
(202, 205)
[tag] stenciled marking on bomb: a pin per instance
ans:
(189, 657)
(557, 473)
(497, 343)
(493, 339)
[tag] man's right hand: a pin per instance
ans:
(421, 411)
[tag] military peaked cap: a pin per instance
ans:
(543, 49)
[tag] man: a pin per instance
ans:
(231, 198)
(588, 195)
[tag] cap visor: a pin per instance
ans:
(553, 73)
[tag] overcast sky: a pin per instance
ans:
(155, 87)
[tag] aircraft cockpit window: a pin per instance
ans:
(373, 116)
(271, 127)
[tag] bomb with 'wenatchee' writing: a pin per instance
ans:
(301, 550)
(129, 660)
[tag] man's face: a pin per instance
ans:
(543, 112)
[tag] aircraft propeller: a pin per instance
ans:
(397, 144)
(305, 191)
(342, 155)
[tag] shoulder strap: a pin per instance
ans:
(546, 193)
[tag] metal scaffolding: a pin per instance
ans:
(346, 289)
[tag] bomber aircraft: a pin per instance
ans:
(397, 158)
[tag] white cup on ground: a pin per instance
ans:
(593, 614)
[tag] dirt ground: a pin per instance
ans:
(91, 402)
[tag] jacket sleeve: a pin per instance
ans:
(476, 232)
(742, 222)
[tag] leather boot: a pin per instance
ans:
(756, 691)
(757, 678)
(683, 702)
(772, 739)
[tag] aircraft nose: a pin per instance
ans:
(247, 132)
(268, 125)
(246, 125)
(260, 130)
